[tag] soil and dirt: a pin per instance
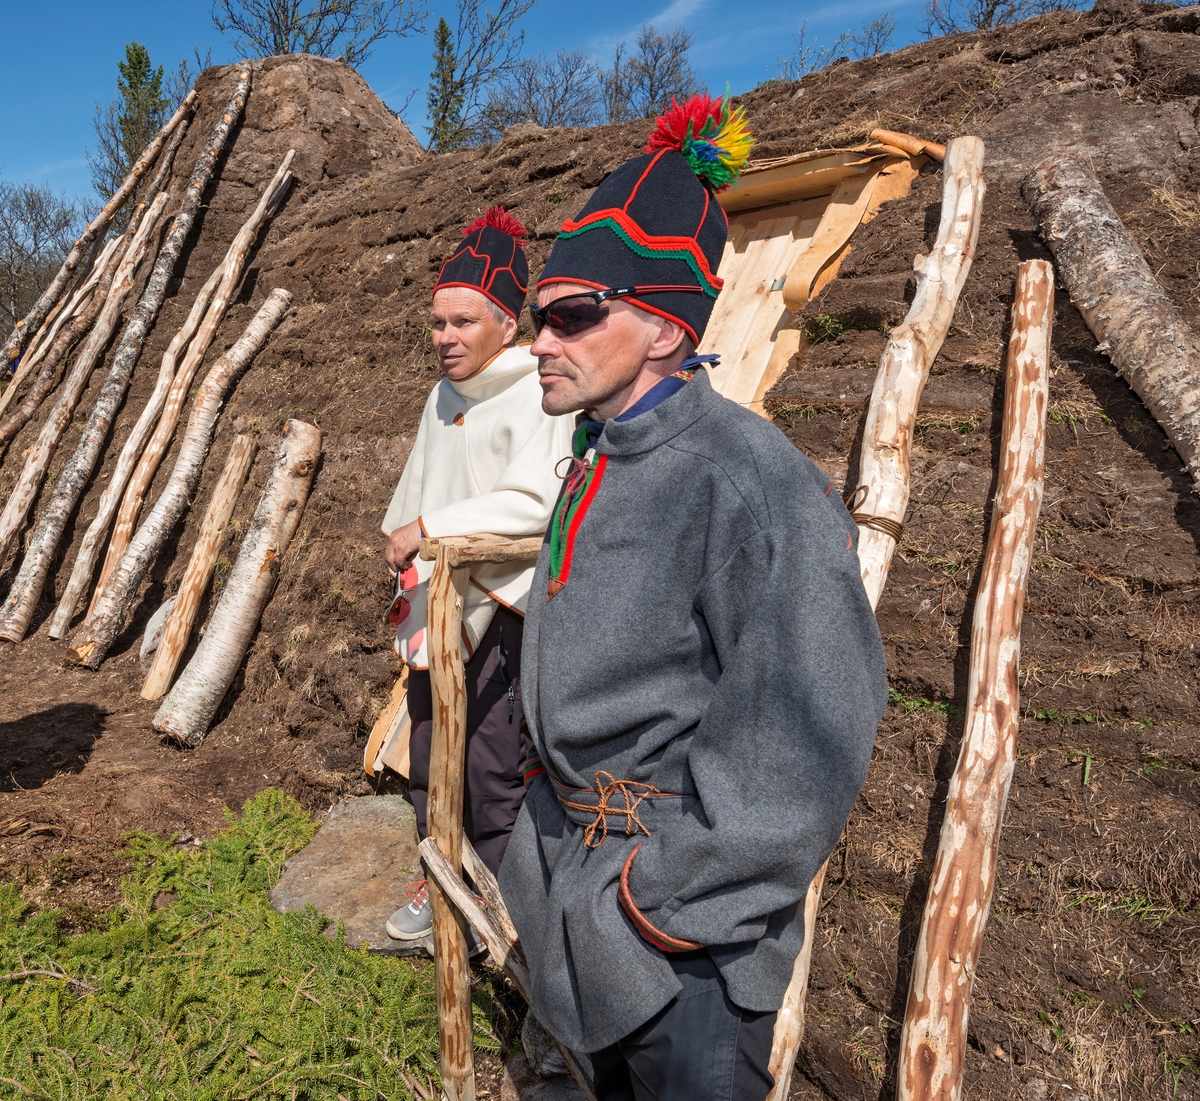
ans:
(1089, 985)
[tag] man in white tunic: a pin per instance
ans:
(484, 460)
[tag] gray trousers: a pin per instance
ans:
(699, 1047)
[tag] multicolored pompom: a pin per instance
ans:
(498, 218)
(714, 138)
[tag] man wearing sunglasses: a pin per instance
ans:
(703, 671)
(483, 460)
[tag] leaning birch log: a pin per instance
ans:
(1137, 325)
(934, 1040)
(22, 333)
(27, 588)
(178, 628)
(191, 704)
(81, 318)
(161, 415)
(48, 373)
(170, 391)
(71, 309)
(16, 509)
(884, 469)
(92, 641)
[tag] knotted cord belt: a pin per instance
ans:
(885, 524)
(615, 798)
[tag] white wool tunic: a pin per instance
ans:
(484, 460)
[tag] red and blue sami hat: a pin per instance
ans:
(655, 222)
(491, 260)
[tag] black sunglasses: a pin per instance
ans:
(576, 313)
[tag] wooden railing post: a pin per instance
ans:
(885, 474)
(934, 1040)
(447, 761)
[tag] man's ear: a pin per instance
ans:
(510, 330)
(670, 337)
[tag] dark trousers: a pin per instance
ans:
(497, 741)
(699, 1047)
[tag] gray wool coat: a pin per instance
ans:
(713, 640)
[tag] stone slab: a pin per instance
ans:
(522, 1083)
(355, 871)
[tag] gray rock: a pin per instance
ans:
(541, 1051)
(355, 871)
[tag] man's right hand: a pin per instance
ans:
(402, 546)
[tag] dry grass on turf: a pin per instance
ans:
(213, 994)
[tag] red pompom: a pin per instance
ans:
(671, 129)
(499, 218)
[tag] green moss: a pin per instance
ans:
(214, 994)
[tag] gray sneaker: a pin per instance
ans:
(414, 921)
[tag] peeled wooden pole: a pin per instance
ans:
(178, 628)
(27, 588)
(20, 500)
(1137, 325)
(503, 948)
(23, 332)
(191, 704)
(904, 368)
(934, 1041)
(170, 391)
(447, 758)
(92, 641)
(884, 471)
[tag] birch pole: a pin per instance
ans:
(20, 500)
(76, 305)
(178, 628)
(200, 327)
(190, 706)
(92, 641)
(19, 338)
(1137, 325)
(47, 375)
(22, 598)
(933, 1043)
(885, 474)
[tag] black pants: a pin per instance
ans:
(497, 742)
(699, 1047)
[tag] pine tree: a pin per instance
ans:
(143, 103)
(126, 125)
(445, 99)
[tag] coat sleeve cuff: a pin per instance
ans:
(662, 941)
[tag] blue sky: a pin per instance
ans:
(48, 92)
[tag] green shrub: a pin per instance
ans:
(212, 994)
